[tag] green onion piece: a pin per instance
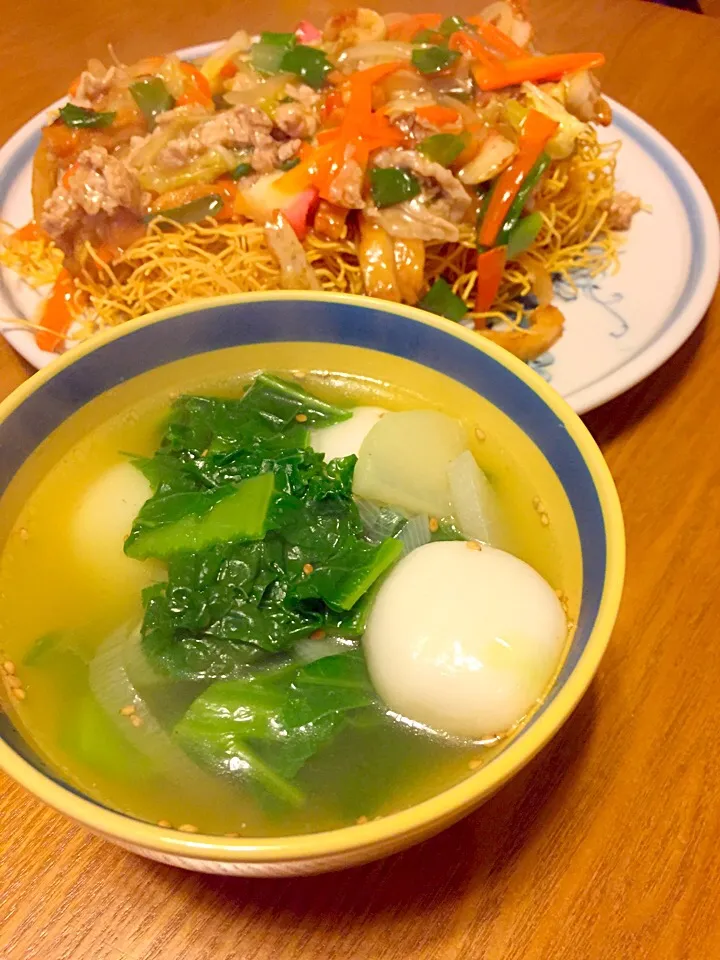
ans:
(390, 185)
(518, 204)
(433, 59)
(441, 300)
(451, 25)
(267, 55)
(311, 65)
(73, 116)
(241, 170)
(153, 97)
(524, 234)
(289, 164)
(192, 212)
(443, 148)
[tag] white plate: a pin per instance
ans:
(619, 328)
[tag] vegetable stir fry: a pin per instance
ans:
(423, 159)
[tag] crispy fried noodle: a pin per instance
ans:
(421, 160)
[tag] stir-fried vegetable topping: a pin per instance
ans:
(78, 117)
(391, 185)
(153, 97)
(440, 299)
(443, 148)
(347, 158)
(434, 59)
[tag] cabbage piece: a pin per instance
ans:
(474, 504)
(404, 460)
(562, 144)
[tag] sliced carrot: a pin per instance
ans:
(332, 103)
(228, 70)
(198, 91)
(406, 29)
(537, 130)
(57, 315)
(496, 38)
(508, 73)
(465, 43)
(438, 116)
(225, 188)
(31, 231)
(490, 266)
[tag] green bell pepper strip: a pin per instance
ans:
(390, 185)
(518, 204)
(427, 36)
(309, 64)
(433, 59)
(440, 299)
(266, 56)
(451, 25)
(153, 97)
(192, 212)
(75, 117)
(443, 148)
(241, 170)
(524, 234)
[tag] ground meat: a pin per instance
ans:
(287, 150)
(621, 209)
(303, 94)
(98, 186)
(296, 121)
(92, 88)
(243, 126)
(417, 128)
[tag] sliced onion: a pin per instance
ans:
(270, 89)
(306, 651)
(377, 51)
(113, 690)
(473, 499)
(542, 285)
(466, 112)
(295, 271)
(494, 155)
(415, 533)
(377, 262)
(379, 521)
(238, 43)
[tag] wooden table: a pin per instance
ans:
(608, 845)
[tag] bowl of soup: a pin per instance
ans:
(293, 581)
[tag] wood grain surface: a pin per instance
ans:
(608, 845)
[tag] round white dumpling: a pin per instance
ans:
(346, 438)
(464, 640)
(102, 521)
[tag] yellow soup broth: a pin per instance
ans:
(58, 601)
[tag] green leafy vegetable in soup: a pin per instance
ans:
(251, 669)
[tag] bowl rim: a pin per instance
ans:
(440, 809)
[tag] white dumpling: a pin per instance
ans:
(102, 521)
(464, 640)
(346, 438)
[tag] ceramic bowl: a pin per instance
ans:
(441, 363)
